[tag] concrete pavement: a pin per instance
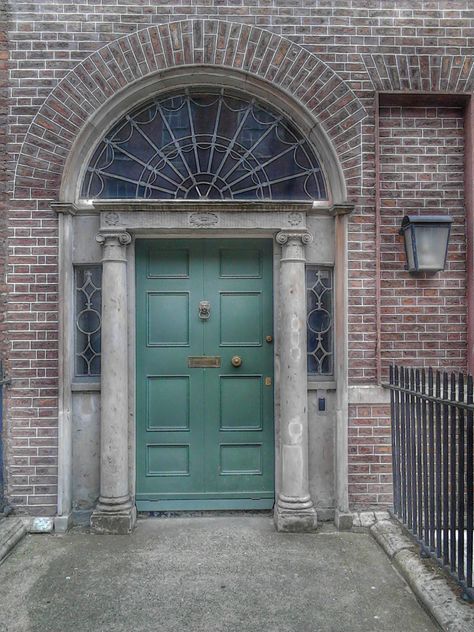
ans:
(205, 574)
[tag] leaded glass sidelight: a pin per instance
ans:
(88, 317)
(319, 292)
(204, 146)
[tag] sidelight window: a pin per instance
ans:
(320, 325)
(194, 145)
(88, 320)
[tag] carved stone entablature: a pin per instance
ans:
(341, 209)
(203, 219)
(65, 208)
(142, 221)
(295, 219)
(111, 218)
(207, 206)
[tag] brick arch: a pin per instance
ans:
(155, 49)
(428, 73)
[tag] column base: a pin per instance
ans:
(113, 523)
(343, 520)
(295, 520)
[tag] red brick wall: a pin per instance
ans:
(423, 318)
(367, 44)
(370, 460)
(33, 335)
(4, 56)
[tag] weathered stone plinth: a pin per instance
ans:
(295, 520)
(343, 520)
(119, 523)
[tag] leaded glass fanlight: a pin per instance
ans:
(204, 146)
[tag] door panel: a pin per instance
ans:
(241, 402)
(168, 319)
(168, 406)
(241, 319)
(204, 435)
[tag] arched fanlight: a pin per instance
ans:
(204, 145)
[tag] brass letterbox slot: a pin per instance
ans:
(204, 362)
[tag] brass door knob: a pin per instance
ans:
(236, 360)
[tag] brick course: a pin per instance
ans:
(370, 457)
(66, 59)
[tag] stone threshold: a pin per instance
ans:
(433, 589)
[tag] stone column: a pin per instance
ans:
(294, 509)
(114, 513)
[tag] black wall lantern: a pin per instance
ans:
(426, 241)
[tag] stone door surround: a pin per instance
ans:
(119, 223)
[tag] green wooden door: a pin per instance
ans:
(205, 436)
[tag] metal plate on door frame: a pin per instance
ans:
(204, 362)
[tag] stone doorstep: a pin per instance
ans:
(12, 530)
(429, 584)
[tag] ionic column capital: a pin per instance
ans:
(113, 237)
(293, 244)
(114, 244)
(284, 236)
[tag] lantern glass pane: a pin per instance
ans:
(409, 248)
(431, 240)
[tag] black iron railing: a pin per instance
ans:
(3, 382)
(433, 462)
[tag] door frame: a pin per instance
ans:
(181, 505)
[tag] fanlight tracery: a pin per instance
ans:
(204, 146)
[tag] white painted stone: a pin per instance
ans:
(367, 518)
(356, 520)
(368, 395)
(41, 525)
